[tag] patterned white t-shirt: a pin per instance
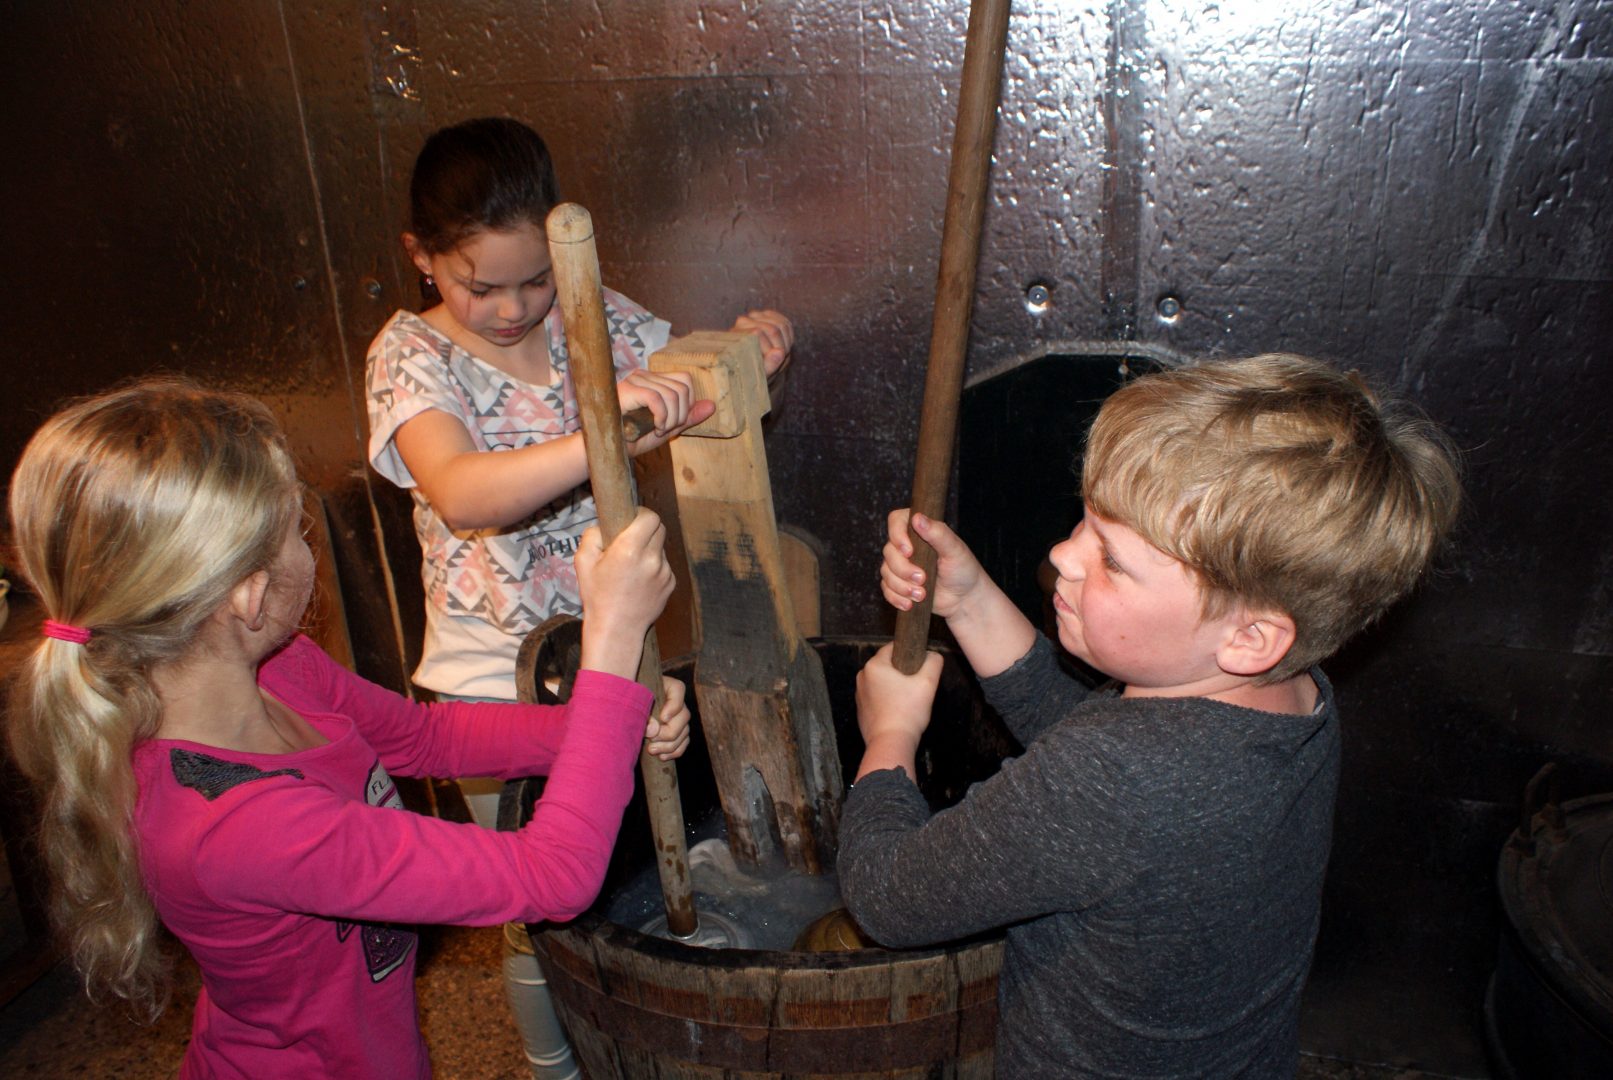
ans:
(486, 588)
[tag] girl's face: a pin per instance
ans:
(497, 284)
(291, 579)
(1132, 611)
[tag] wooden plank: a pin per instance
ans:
(803, 561)
(678, 628)
(922, 987)
(742, 1001)
(764, 704)
(774, 765)
(978, 966)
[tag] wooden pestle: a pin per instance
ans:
(954, 297)
(570, 231)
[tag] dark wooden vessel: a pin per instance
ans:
(1549, 1006)
(640, 1006)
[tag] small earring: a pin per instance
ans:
(430, 280)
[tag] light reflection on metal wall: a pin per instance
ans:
(162, 195)
(1423, 192)
(1419, 189)
(1353, 181)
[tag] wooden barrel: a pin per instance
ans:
(639, 1006)
(1549, 1005)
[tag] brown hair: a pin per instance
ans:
(488, 174)
(134, 513)
(1284, 483)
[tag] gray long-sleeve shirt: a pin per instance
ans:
(1157, 863)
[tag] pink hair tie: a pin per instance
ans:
(61, 631)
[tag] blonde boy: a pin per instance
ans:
(1156, 854)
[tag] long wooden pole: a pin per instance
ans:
(582, 307)
(954, 298)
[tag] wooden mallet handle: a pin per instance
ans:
(582, 308)
(954, 297)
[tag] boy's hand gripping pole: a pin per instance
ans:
(954, 297)
(582, 307)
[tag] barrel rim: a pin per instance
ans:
(1531, 918)
(593, 925)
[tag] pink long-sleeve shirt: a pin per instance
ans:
(291, 878)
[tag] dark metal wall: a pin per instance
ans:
(1417, 188)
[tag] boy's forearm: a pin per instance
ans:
(890, 752)
(991, 631)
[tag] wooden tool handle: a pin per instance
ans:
(954, 297)
(582, 308)
(637, 423)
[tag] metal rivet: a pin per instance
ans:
(372, 287)
(299, 283)
(1038, 297)
(1169, 308)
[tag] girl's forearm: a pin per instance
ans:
(611, 646)
(481, 489)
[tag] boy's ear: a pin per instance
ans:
(1257, 642)
(417, 254)
(246, 599)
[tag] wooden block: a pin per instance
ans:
(726, 368)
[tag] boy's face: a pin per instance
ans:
(1134, 612)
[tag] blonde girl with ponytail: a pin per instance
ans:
(201, 764)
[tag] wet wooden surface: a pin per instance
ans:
(761, 691)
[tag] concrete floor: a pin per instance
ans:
(51, 1030)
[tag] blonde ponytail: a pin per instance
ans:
(134, 513)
